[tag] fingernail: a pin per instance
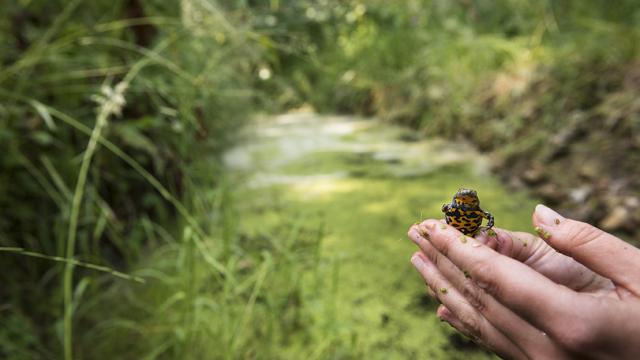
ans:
(417, 261)
(547, 216)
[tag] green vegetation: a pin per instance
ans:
(541, 85)
(124, 235)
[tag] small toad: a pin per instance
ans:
(464, 212)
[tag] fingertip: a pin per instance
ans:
(503, 241)
(414, 255)
(413, 234)
(412, 229)
(488, 240)
(418, 260)
(543, 215)
(443, 313)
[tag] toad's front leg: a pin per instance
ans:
(487, 215)
(446, 208)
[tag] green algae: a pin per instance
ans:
(361, 295)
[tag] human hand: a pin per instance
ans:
(574, 291)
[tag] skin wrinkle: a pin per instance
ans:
(474, 295)
(538, 256)
(521, 248)
(584, 236)
(586, 285)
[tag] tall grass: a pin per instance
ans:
(120, 195)
(111, 102)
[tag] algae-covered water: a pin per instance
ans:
(338, 195)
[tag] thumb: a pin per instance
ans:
(602, 252)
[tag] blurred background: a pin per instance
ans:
(205, 179)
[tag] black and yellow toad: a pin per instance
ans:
(464, 212)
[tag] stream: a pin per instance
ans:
(337, 194)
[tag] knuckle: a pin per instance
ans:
(444, 245)
(473, 294)
(483, 273)
(471, 323)
(483, 269)
(435, 258)
(580, 233)
(430, 252)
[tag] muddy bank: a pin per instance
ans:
(581, 156)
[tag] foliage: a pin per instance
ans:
(533, 82)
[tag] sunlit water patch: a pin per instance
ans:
(309, 149)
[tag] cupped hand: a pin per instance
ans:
(573, 291)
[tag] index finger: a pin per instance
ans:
(542, 302)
